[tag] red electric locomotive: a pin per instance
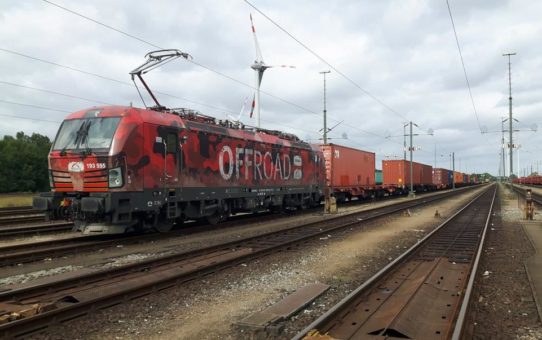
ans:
(115, 169)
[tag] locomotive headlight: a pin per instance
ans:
(115, 178)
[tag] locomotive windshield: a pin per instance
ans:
(88, 133)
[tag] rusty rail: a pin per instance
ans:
(36, 251)
(418, 294)
(56, 302)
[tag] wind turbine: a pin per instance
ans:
(259, 67)
(238, 118)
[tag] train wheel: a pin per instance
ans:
(276, 209)
(163, 227)
(214, 219)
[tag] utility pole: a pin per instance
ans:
(404, 152)
(404, 141)
(510, 111)
(435, 155)
(325, 110)
(453, 169)
(502, 149)
(411, 191)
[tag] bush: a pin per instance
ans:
(23, 163)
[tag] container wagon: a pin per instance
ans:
(396, 176)
(349, 172)
(442, 178)
(378, 177)
(458, 179)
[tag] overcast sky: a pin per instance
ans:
(399, 62)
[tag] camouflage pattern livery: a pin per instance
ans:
(124, 168)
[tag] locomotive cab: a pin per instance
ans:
(87, 172)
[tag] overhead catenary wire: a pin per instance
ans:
(189, 60)
(464, 68)
(90, 100)
(54, 92)
(74, 69)
(350, 80)
(32, 119)
(218, 72)
(34, 106)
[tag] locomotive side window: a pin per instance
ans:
(171, 142)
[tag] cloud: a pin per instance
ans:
(402, 52)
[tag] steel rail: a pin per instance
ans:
(35, 251)
(16, 211)
(458, 329)
(35, 229)
(22, 219)
(157, 274)
(537, 198)
(381, 274)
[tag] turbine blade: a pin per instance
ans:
(242, 109)
(283, 66)
(256, 45)
(253, 105)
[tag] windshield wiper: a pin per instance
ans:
(79, 134)
(84, 138)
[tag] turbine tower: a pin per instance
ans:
(259, 67)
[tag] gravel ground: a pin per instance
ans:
(107, 257)
(208, 308)
(503, 305)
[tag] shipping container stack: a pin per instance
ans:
(396, 176)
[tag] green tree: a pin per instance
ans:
(23, 162)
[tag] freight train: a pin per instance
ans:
(115, 169)
(529, 180)
(351, 173)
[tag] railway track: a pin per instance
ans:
(522, 191)
(24, 221)
(27, 230)
(11, 220)
(36, 251)
(424, 293)
(35, 308)
(16, 211)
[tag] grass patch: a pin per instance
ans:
(16, 200)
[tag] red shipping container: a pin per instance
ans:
(397, 173)
(458, 177)
(348, 167)
(441, 178)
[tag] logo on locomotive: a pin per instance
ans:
(261, 165)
